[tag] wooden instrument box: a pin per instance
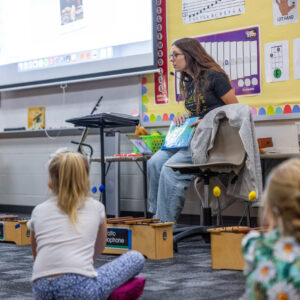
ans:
(14, 230)
(148, 236)
(226, 246)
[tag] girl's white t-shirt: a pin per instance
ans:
(61, 246)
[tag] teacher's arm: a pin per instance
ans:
(229, 97)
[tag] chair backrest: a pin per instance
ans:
(228, 147)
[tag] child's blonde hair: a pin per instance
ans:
(69, 177)
(282, 198)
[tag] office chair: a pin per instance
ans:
(226, 157)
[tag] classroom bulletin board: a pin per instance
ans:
(273, 88)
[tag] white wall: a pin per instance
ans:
(23, 176)
(119, 95)
(284, 133)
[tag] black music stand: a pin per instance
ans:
(104, 120)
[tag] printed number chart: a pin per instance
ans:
(277, 61)
(277, 58)
(237, 52)
(204, 10)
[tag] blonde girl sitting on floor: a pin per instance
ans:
(273, 259)
(68, 233)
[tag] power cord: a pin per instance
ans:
(63, 86)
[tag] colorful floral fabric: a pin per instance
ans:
(272, 267)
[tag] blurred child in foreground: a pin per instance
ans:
(273, 259)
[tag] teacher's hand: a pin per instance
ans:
(179, 119)
(195, 123)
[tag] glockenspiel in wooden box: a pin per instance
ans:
(13, 229)
(150, 237)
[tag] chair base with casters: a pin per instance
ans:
(182, 233)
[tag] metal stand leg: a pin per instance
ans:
(207, 221)
(247, 214)
(145, 189)
(102, 163)
(219, 216)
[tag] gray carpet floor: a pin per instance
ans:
(186, 276)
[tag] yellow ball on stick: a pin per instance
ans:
(217, 191)
(252, 196)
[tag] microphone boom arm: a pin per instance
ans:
(86, 130)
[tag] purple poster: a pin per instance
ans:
(237, 52)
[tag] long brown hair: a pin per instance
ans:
(198, 63)
(282, 198)
(69, 178)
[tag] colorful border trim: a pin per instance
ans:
(277, 110)
(261, 111)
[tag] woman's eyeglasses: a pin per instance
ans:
(174, 55)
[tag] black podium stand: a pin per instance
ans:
(102, 121)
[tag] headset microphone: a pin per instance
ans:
(173, 74)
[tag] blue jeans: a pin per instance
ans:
(78, 287)
(166, 187)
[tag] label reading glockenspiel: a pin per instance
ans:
(118, 238)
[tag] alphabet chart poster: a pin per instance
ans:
(204, 10)
(237, 52)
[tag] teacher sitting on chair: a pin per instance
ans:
(205, 86)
